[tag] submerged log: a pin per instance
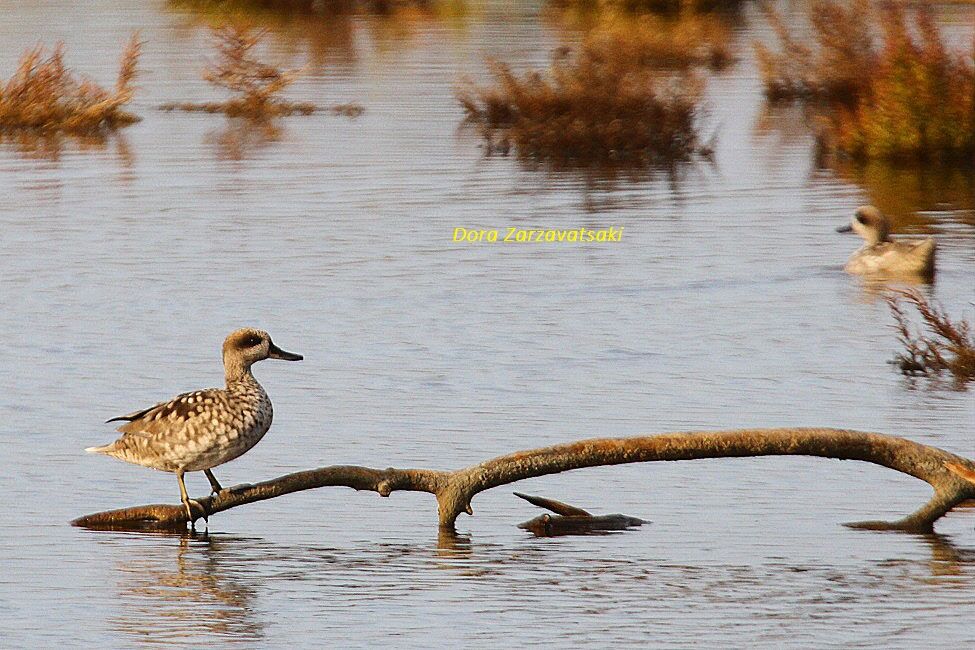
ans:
(570, 520)
(455, 490)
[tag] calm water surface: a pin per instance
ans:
(125, 263)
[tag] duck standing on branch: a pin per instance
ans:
(882, 257)
(200, 430)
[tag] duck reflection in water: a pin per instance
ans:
(186, 589)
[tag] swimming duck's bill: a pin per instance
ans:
(846, 228)
(274, 352)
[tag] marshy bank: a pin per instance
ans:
(889, 86)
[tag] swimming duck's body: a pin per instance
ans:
(880, 256)
(202, 429)
(894, 258)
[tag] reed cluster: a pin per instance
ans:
(647, 40)
(44, 96)
(944, 345)
(255, 86)
(651, 6)
(607, 102)
(899, 94)
(296, 7)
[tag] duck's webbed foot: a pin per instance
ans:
(188, 502)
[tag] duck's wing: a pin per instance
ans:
(925, 247)
(163, 415)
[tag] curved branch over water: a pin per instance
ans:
(454, 490)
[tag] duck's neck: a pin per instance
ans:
(235, 372)
(878, 235)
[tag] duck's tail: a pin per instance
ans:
(104, 449)
(926, 251)
(927, 246)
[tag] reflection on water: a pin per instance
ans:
(185, 589)
(33, 145)
(915, 198)
(242, 138)
(329, 39)
(244, 590)
(947, 559)
(125, 262)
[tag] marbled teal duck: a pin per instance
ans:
(200, 430)
(880, 256)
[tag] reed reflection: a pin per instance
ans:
(52, 146)
(242, 139)
(329, 34)
(901, 192)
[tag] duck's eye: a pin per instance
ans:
(862, 219)
(252, 341)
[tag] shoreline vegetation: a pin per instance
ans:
(882, 79)
(297, 7)
(660, 7)
(45, 97)
(629, 94)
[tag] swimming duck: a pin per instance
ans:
(880, 255)
(205, 428)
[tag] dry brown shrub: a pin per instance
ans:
(647, 40)
(902, 96)
(920, 103)
(604, 104)
(43, 95)
(838, 67)
(652, 6)
(947, 345)
(296, 7)
(256, 86)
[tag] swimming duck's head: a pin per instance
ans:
(869, 223)
(247, 346)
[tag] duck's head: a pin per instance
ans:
(870, 223)
(247, 346)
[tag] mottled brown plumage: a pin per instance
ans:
(205, 428)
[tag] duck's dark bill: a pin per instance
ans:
(274, 352)
(846, 228)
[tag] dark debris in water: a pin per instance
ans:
(570, 520)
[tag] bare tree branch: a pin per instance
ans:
(454, 490)
(570, 520)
